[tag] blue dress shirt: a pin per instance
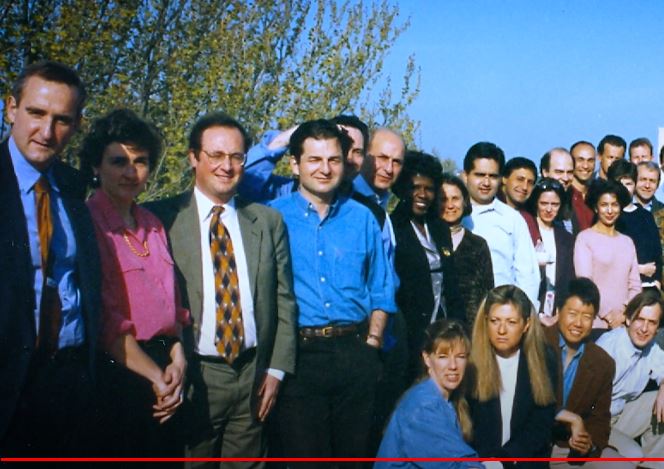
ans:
(258, 183)
(569, 373)
(424, 425)
(341, 273)
(63, 248)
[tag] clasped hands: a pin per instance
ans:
(168, 390)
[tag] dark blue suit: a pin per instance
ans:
(17, 296)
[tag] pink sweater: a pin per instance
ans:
(610, 262)
(139, 294)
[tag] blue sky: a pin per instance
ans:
(531, 75)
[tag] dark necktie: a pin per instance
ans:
(50, 307)
(229, 333)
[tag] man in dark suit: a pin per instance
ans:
(234, 268)
(585, 376)
(49, 271)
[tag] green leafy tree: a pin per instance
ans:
(271, 63)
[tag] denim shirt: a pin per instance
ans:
(569, 373)
(341, 272)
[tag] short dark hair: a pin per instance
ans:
(542, 186)
(484, 150)
(581, 142)
(51, 71)
(640, 142)
(584, 289)
(613, 140)
(621, 169)
(216, 119)
(449, 178)
(661, 154)
(647, 297)
(423, 164)
(600, 187)
(319, 129)
(121, 126)
(519, 162)
(348, 120)
(545, 161)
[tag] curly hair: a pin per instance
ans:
(418, 163)
(121, 126)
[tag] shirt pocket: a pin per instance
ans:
(348, 269)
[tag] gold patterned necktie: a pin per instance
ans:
(50, 307)
(229, 332)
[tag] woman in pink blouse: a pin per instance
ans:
(606, 256)
(141, 318)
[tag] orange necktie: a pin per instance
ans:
(229, 333)
(50, 308)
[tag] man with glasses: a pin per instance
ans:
(235, 276)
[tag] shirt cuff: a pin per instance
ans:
(279, 374)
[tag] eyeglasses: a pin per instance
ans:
(235, 159)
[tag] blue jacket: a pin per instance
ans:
(424, 425)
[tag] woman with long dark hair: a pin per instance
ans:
(554, 247)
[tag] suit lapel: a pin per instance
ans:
(584, 375)
(185, 235)
(251, 239)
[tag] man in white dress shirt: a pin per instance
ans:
(505, 231)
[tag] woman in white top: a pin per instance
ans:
(555, 246)
(512, 397)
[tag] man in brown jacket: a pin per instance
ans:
(585, 378)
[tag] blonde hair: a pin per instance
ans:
(448, 335)
(487, 382)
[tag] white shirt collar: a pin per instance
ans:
(205, 205)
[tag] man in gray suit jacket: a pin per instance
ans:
(239, 291)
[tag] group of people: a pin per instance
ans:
(259, 314)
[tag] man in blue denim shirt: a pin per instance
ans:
(345, 290)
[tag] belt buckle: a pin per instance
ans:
(327, 331)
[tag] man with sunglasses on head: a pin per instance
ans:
(235, 274)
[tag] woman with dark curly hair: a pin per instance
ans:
(472, 258)
(141, 318)
(606, 256)
(554, 246)
(428, 287)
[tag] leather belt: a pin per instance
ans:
(330, 331)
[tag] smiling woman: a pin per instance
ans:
(606, 256)
(423, 255)
(141, 317)
(432, 419)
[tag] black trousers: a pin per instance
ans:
(326, 408)
(124, 406)
(53, 417)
